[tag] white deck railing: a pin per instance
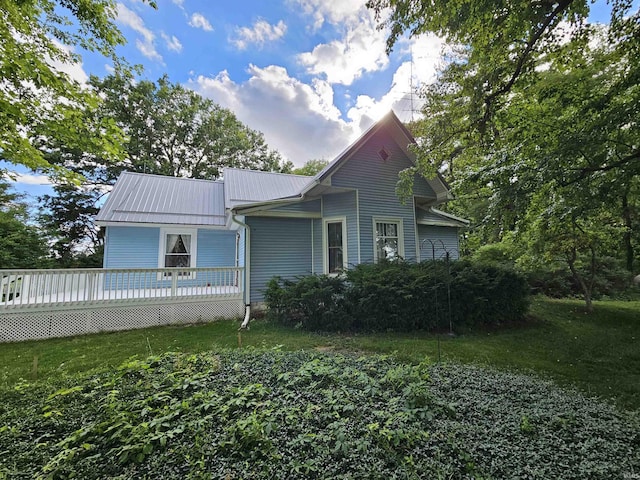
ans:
(28, 288)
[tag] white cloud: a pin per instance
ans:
(362, 49)
(172, 42)
(402, 97)
(261, 32)
(199, 21)
(75, 70)
(335, 13)
(31, 179)
(285, 110)
(145, 44)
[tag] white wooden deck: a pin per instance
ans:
(29, 288)
(75, 296)
(36, 304)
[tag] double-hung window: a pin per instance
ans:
(335, 250)
(389, 242)
(177, 250)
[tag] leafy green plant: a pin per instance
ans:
(400, 296)
(266, 414)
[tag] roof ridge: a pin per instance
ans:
(126, 172)
(263, 172)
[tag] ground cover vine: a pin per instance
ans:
(269, 414)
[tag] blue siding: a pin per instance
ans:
(279, 246)
(311, 206)
(445, 239)
(216, 248)
(376, 181)
(421, 188)
(132, 247)
(137, 247)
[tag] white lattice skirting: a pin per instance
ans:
(40, 323)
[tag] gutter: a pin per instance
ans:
(255, 206)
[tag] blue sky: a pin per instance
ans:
(311, 75)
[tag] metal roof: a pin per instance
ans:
(432, 216)
(243, 187)
(142, 198)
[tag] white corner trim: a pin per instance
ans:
(313, 260)
(358, 225)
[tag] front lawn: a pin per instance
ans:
(598, 353)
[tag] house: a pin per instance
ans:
(280, 224)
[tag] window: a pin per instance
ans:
(335, 252)
(177, 250)
(388, 239)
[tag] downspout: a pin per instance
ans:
(247, 271)
(247, 258)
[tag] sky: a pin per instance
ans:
(311, 75)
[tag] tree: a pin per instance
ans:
(558, 227)
(534, 99)
(169, 130)
(498, 45)
(37, 101)
(68, 220)
(174, 131)
(311, 168)
(21, 244)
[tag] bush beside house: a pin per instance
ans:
(400, 296)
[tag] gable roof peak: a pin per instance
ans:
(389, 120)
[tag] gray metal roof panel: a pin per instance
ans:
(242, 187)
(142, 198)
(436, 217)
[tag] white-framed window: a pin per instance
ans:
(334, 236)
(388, 239)
(177, 249)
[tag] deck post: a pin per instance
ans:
(90, 286)
(174, 284)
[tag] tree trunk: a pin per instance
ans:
(626, 238)
(587, 288)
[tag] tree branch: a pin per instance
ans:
(586, 171)
(489, 99)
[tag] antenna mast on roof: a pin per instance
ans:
(411, 81)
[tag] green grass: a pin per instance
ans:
(598, 353)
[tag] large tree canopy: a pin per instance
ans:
(37, 101)
(169, 130)
(534, 120)
(174, 131)
(499, 44)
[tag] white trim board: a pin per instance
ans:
(325, 243)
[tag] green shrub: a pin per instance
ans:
(556, 281)
(400, 296)
(313, 301)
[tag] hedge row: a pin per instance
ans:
(400, 296)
